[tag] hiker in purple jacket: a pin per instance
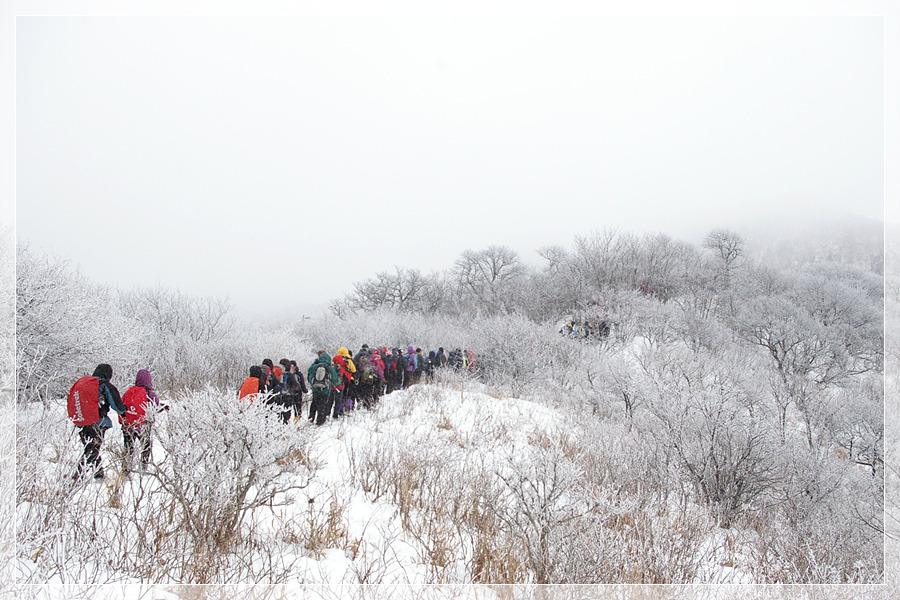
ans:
(412, 367)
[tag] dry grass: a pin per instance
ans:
(326, 528)
(444, 422)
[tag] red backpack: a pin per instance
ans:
(135, 401)
(84, 401)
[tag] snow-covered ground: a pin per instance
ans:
(468, 420)
(359, 515)
(408, 494)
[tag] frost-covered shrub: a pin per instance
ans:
(518, 354)
(7, 307)
(7, 399)
(824, 525)
(384, 327)
(65, 325)
(190, 342)
(707, 413)
(223, 459)
(539, 498)
(192, 518)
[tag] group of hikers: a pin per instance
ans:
(594, 328)
(338, 384)
(90, 400)
(593, 323)
(343, 382)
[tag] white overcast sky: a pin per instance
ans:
(204, 152)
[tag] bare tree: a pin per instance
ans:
(728, 247)
(662, 265)
(556, 257)
(486, 277)
(406, 290)
(600, 259)
(818, 335)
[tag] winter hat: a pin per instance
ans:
(285, 363)
(256, 371)
(144, 379)
(103, 371)
(268, 363)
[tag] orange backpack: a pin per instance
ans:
(250, 388)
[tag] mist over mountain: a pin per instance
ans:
(851, 240)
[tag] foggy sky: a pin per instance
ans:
(245, 157)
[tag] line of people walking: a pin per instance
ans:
(343, 382)
(337, 384)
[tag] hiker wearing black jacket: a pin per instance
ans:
(292, 389)
(92, 425)
(455, 359)
(298, 398)
(271, 383)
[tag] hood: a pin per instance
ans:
(343, 352)
(410, 349)
(268, 362)
(144, 379)
(324, 358)
(339, 360)
(256, 371)
(103, 371)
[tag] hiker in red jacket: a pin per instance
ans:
(340, 392)
(141, 404)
